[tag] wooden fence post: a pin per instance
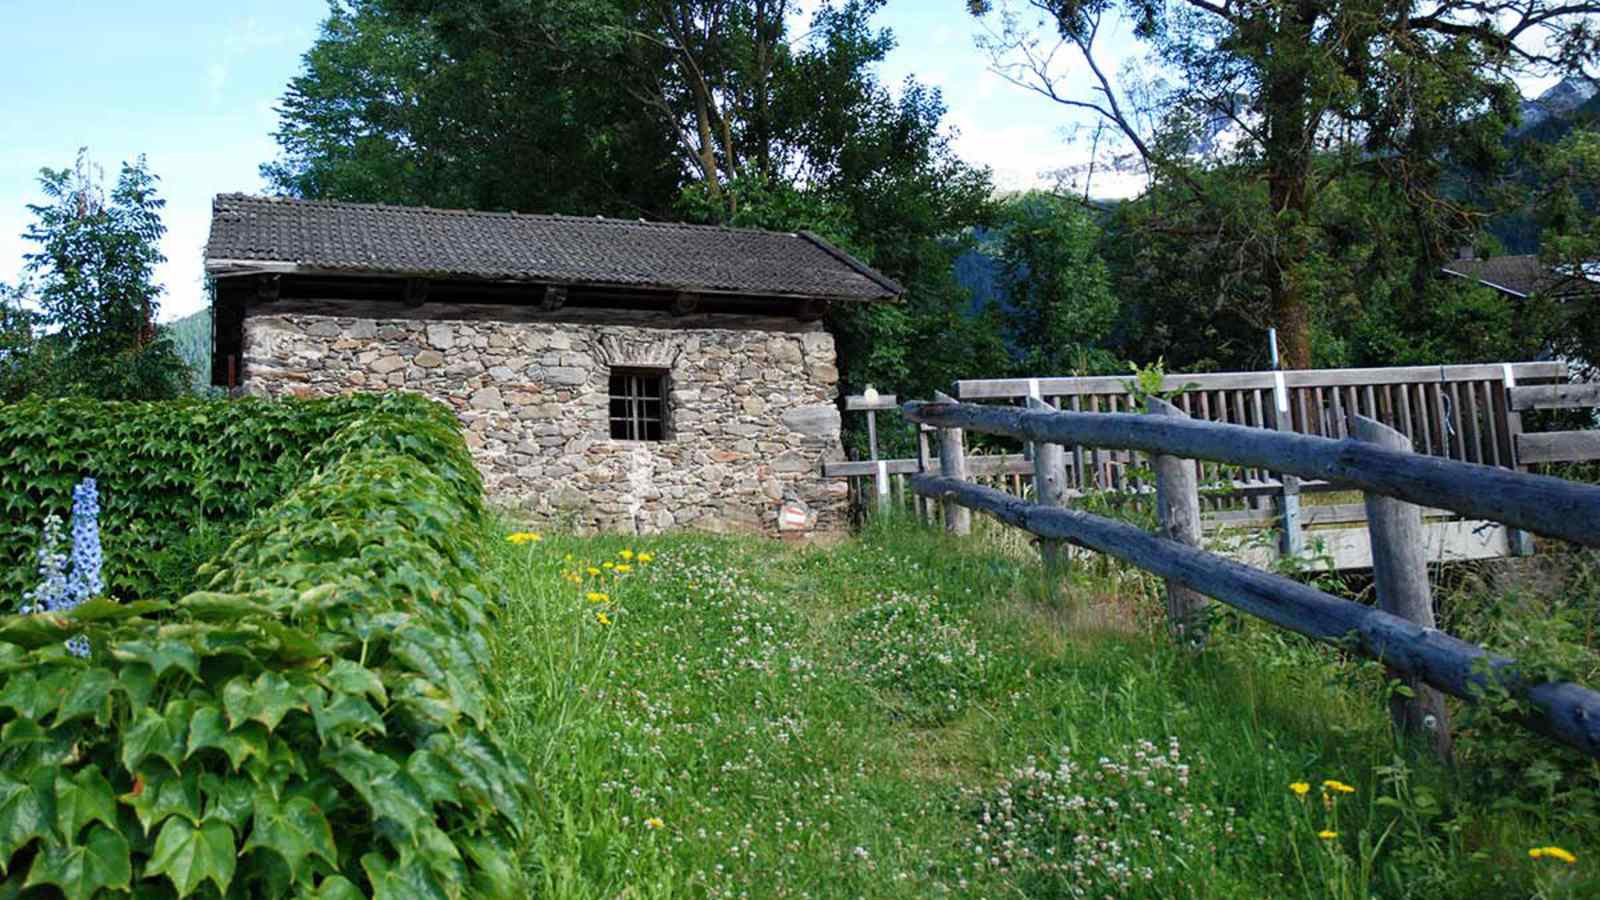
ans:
(953, 464)
(1178, 508)
(1400, 573)
(924, 463)
(1050, 483)
(1520, 541)
(1289, 498)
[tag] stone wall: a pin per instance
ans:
(751, 412)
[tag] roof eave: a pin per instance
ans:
(236, 268)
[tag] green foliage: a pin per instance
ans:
(95, 266)
(1059, 307)
(315, 721)
(173, 475)
(191, 340)
(597, 107)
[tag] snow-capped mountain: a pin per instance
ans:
(1560, 100)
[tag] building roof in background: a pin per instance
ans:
(261, 234)
(1520, 276)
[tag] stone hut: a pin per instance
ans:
(609, 374)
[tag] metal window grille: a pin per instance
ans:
(638, 405)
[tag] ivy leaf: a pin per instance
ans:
(207, 729)
(161, 654)
(294, 830)
(229, 800)
(164, 795)
(266, 700)
(406, 880)
(350, 677)
(154, 734)
(104, 609)
(189, 854)
(25, 814)
(80, 870)
(434, 776)
(336, 887)
(138, 682)
(390, 793)
(88, 697)
(344, 712)
(83, 798)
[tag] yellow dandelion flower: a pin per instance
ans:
(645, 557)
(623, 568)
(597, 597)
(1552, 853)
(524, 537)
(1300, 788)
(602, 618)
(653, 823)
(1327, 835)
(626, 554)
(1338, 786)
(608, 564)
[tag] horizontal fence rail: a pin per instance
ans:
(1569, 713)
(1537, 503)
(1018, 388)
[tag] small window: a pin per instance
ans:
(638, 405)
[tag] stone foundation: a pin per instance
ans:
(751, 413)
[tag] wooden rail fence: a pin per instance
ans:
(1470, 413)
(1367, 455)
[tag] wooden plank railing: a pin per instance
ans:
(1379, 465)
(1470, 413)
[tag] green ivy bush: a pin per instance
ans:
(167, 471)
(316, 722)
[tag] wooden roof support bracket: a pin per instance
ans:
(684, 303)
(267, 287)
(813, 309)
(555, 297)
(416, 291)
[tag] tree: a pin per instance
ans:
(707, 110)
(1313, 89)
(94, 270)
(1059, 309)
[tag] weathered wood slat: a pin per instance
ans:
(1017, 388)
(1536, 503)
(1557, 446)
(858, 403)
(1554, 396)
(1569, 712)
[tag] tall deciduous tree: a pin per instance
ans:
(711, 110)
(94, 282)
(1311, 89)
(1059, 306)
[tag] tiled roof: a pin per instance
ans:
(440, 243)
(1522, 275)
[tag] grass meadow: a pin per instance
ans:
(907, 715)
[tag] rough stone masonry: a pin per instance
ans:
(751, 412)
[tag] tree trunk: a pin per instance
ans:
(1288, 169)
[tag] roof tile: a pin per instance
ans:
(421, 241)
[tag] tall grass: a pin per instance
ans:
(903, 715)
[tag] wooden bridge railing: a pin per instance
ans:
(1375, 459)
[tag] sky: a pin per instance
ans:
(192, 85)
